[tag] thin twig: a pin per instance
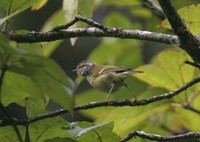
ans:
(187, 106)
(65, 26)
(155, 8)
(197, 65)
(96, 24)
(156, 137)
(87, 21)
(117, 103)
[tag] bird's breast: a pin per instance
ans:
(104, 82)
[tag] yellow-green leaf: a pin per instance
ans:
(190, 15)
(168, 70)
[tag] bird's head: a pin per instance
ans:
(84, 68)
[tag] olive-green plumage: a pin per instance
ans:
(106, 78)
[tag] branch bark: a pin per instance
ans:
(117, 103)
(94, 32)
(155, 8)
(156, 137)
(188, 41)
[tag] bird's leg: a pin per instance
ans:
(126, 85)
(111, 89)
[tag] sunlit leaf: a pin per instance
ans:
(74, 7)
(39, 5)
(168, 70)
(119, 3)
(7, 134)
(127, 118)
(185, 116)
(85, 8)
(190, 15)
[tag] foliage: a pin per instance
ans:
(31, 79)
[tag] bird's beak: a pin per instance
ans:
(74, 70)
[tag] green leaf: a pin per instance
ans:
(31, 48)
(57, 139)
(190, 15)
(7, 133)
(94, 95)
(119, 20)
(39, 4)
(127, 118)
(35, 106)
(85, 8)
(71, 9)
(168, 70)
(86, 133)
(113, 51)
(17, 6)
(29, 74)
(74, 7)
(48, 129)
(185, 116)
(56, 19)
(16, 87)
(16, 84)
(119, 3)
(50, 78)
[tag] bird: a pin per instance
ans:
(106, 78)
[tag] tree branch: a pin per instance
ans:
(94, 32)
(188, 41)
(187, 106)
(97, 30)
(117, 103)
(156, 137)
(155, 8)
(197, 65)
(87, 21)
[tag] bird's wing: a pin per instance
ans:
(117, 69)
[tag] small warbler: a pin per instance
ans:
(106, 78)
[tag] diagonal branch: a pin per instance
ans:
(189, 107)
(188, 41)
(155, 8)
(156, 137)
(117, 103)
(197, 65)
